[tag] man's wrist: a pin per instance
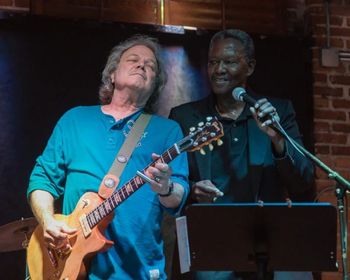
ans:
(170, 190)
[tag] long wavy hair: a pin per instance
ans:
(107, 87)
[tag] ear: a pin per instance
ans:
(251, 67)
(112, 77)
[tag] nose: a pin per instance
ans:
(141, 65)
(220, 68)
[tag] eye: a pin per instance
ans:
(213, 62)
(230, 62)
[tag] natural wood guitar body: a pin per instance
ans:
(50, 264)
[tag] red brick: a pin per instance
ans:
(327, 91)
(320, 174)
(331, 138)
(321, 126)
(322, 149)
(329, 115)
(338, 31)
(334, 42)
(319, 19)
(340, 79)
(321, 102)
(320, 77)
(315, 10)
(341, 127)
(6, 3)
(322, 183)
(341, 103)
(342, 162)
(312, 2)
(340, 150)
(22, 3)
(340, 10)
(348, 44)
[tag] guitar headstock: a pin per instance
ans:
(204, 134)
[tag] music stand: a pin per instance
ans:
(249, 237)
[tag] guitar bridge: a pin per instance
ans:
(85, 225)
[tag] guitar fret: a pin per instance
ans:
(118, 199)
(162, 159)
(93, 218)
(169, 155)
(98, 218)
(91, 224)
(102, 211)
(108, 206)
(137, 182)
(129, 189)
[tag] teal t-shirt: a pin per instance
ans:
(78, 155)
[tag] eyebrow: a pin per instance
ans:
(147, 60)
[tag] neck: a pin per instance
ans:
(228, 107)
(121, 106)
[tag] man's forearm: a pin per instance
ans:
(42, 204)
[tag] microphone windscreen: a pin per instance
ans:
(238, 93)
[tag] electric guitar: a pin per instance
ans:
(93, 214)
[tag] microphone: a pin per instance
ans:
(240, 94)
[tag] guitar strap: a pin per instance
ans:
(111, 180)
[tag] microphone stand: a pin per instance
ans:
(342, 185)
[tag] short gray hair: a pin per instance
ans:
(107, 87)
(243, 37)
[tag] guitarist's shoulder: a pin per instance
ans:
(80, 113)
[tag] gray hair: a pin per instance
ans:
(107, 87)
(241, 36)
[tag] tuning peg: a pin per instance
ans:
(192, 129)
(200, 124)
(202, 152)
(211, 147)
(219, 142)
(209, 119)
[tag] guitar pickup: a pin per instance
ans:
(85, 225)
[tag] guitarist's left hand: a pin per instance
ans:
(160, 173)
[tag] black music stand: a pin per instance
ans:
(251, 237)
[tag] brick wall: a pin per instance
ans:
(331, 89)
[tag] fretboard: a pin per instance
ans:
(121, 194)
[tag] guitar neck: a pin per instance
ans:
(120, 195)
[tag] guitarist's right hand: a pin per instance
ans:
(56, 233)
(205, 192)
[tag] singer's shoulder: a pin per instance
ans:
(203, 103)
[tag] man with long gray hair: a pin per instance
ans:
(81, 150)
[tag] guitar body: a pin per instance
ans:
(53, 264)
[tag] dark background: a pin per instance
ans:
(49, 65)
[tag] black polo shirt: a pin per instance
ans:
(230, 161)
